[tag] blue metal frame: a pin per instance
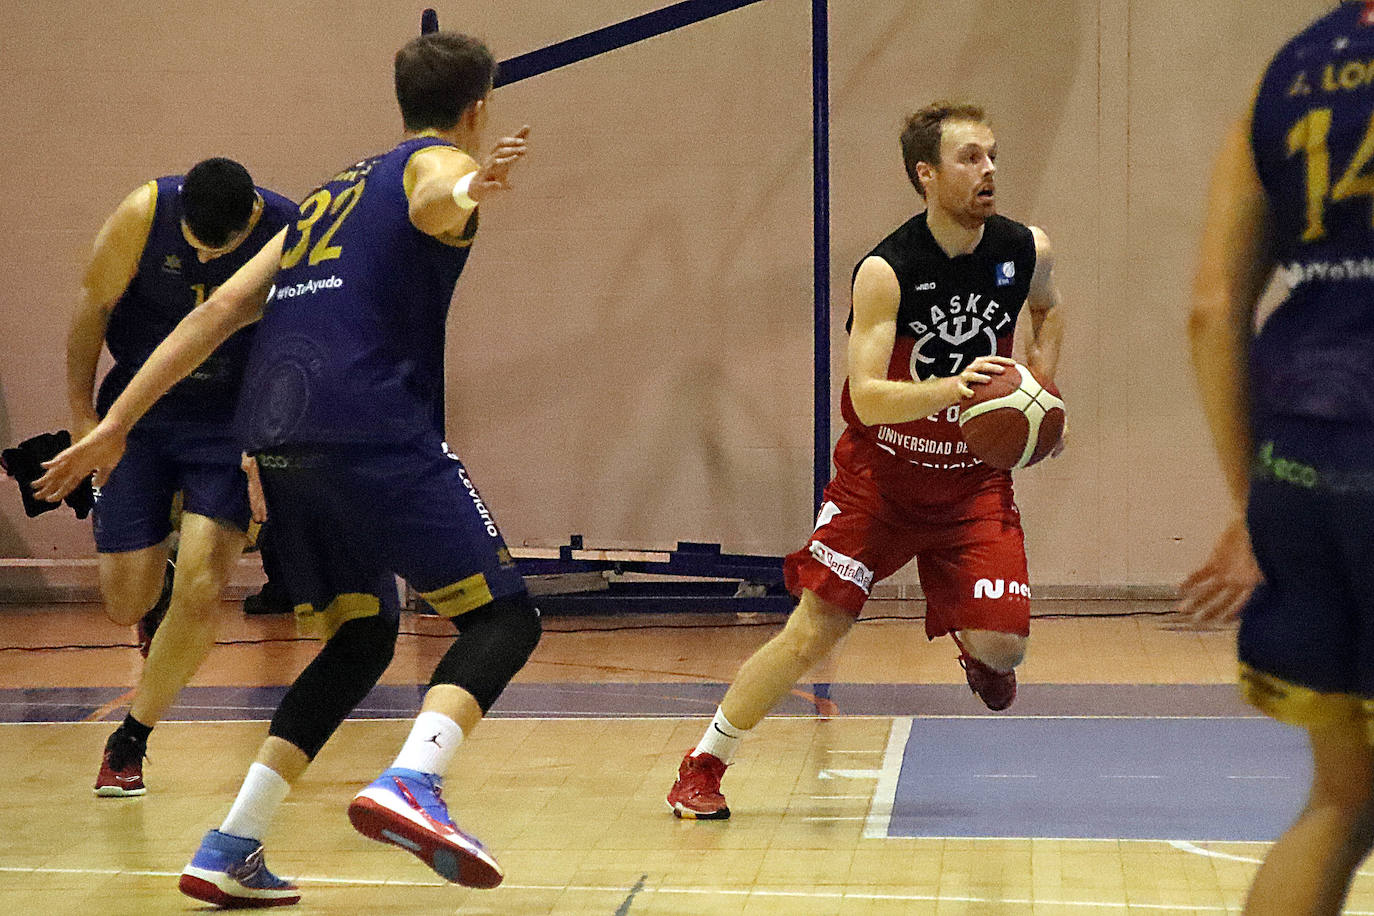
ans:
(820, 157)
(706, 560)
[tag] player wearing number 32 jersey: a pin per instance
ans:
(935, 306)
(342, 404)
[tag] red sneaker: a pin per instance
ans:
(121, 768)
(696, 794)
(997, 689)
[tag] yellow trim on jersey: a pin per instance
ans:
(152, 215)
(1302, 706)
(463, 237)
(324, 624)
(460, 597)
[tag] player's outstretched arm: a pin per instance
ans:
(446, 185)
(877, 399)
(1046, 312)
(237, 303)
(111, 268)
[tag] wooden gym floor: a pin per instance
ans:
(1127, 779)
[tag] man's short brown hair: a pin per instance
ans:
(922, 130)
(438, 75)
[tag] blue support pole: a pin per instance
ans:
(820, 157)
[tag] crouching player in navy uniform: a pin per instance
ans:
(1292, 415)
(343, 405)
(166, 247)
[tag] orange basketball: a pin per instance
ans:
(1013, 421)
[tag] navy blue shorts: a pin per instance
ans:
(347, 521)
(201, 461)
(1307, 635)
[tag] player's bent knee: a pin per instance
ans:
(125, 603)
(814, 628)
(348, 666)
(197, 594)
(999, 651)
(494, 642)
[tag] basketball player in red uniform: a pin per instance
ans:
(935, 306)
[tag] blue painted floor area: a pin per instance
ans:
(667, 700)
(1165, 779)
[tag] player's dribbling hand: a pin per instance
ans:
(980, 372)
(494, 172)
(1217, 591)
(96, 454)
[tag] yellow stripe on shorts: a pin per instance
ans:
(1299, 705)
(460, 597)
(324, 624)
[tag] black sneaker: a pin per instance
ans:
(271, 600)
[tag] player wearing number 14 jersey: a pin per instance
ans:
(1291, 410)
(935, 306)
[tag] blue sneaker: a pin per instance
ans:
(229, 871)
(405, 808)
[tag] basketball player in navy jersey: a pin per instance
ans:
(159, 255)
(343, 405)
(1292, 414)
(935, 306)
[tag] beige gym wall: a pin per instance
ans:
(630, 348)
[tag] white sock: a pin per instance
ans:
(431, 745)
(721, 738)
(262, 793)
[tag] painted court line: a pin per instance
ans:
(885, 793)
(760, 893)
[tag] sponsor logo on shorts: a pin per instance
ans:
(477, 503)
(847, 568)
(996, 588)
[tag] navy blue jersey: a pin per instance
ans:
(351, 345)
(1313, 143)
(169, 283)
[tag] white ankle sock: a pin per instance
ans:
(262, 793)
(721, 738)
(431, 745)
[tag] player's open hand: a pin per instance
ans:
(494, 173)
(96, 454)
(980, 372)
(1216, 593)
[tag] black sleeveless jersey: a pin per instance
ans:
(952, 311)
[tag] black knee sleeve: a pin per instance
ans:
(493, 643)
(336, 681)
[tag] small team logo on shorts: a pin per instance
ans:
(1006, 273)
(996, 588)
(847, 568)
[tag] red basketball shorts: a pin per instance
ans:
(965, 535)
